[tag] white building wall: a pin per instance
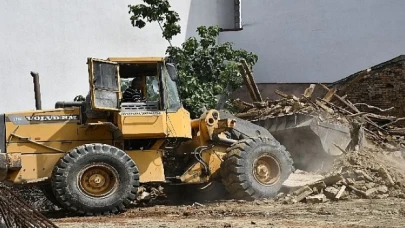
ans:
(54, 38)
(296, 41)
(319, 40)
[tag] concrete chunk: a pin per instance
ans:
(371, 191)
(363, 174)
(331, 192)
(341, 191)
(302, 193)
(317, 186)
(388, 177)
(301, 190)
(379, 189)
(350, 181)
(333, 179)
(382, 189)
(145, 196)
(382, 196)
(320, 198)
(370, 185)
(358, 192)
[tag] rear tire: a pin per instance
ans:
(95, 179)
(255, 168)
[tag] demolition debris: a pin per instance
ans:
(373, 169)
(365, 174)
(332, 108)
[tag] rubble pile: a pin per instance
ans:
(288, 104)
(150, 194)
(374, 171)
(333, 108)
(365, 174)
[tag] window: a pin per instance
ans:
(104, 84)
(231, 14)
(172, 98)
(152, 88)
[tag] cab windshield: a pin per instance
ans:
(172, 96)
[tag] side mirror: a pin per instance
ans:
(171, 69)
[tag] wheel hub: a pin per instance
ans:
(266, 170)
(98, 180)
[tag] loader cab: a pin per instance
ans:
(110, 78)
(158, 115)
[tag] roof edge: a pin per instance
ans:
(377, 66)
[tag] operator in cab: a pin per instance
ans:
(134, 93)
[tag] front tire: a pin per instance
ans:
(255, 168)
(46, 189)
(95, 179)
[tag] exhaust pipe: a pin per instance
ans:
(37, 90)
(68, 104)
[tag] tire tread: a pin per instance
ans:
(59, 177)
(232, 169)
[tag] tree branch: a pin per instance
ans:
(161, 28)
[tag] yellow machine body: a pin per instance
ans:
(34, 141)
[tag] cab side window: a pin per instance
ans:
(152, 87)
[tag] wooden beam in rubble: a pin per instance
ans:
(250, 82)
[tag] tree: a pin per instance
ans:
(206, 69)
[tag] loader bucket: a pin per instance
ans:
(311, 142)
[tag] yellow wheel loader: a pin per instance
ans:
(90, 157)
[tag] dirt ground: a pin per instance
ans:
(346, 212)
(266, 213)
(351, 212)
